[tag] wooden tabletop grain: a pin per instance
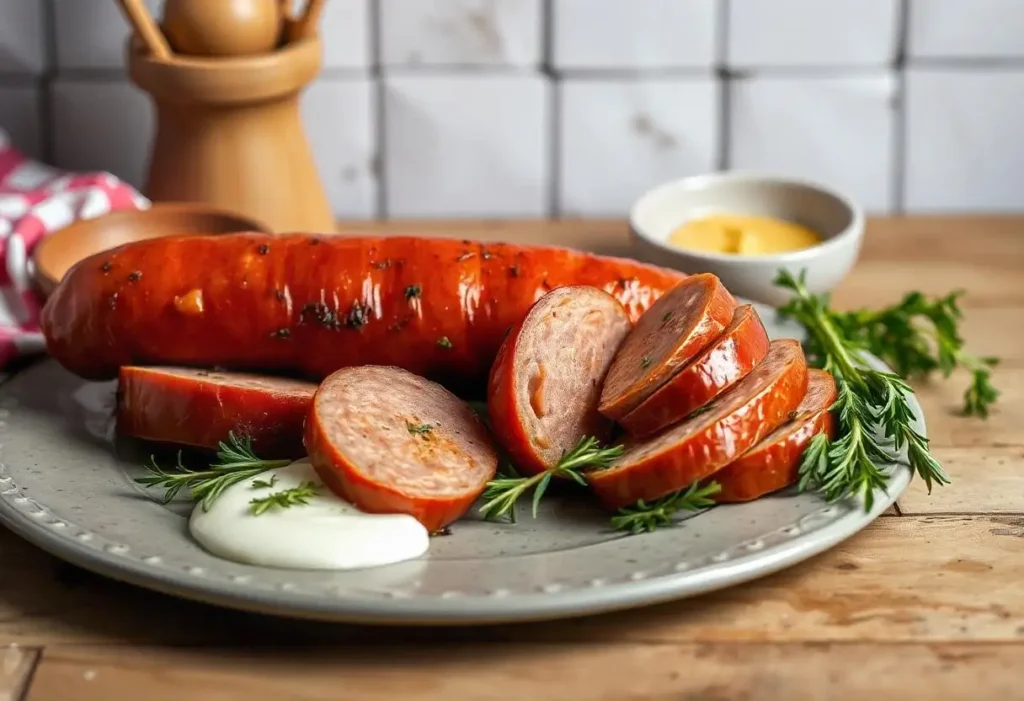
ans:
(928, 602)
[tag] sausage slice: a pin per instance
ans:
(774, 463)
(676, 327)
(728, 359)
(199, 408)
(702, 444)
(390, 441)
(545, 383)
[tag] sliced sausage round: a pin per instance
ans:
(676, 327)
(774, 463)
(199, 408)
(390, 441)
(728, 359)
(545, 383)
(699, 446)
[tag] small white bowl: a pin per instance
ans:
(832, 215)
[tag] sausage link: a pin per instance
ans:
(774, 463)
(676, 327)
(309, 305)
(651, 468)
(545, 383)
(389, 441)
(199, 408)
(728, 359)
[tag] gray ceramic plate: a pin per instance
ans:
(66, 486)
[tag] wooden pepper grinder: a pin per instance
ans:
(229, 131)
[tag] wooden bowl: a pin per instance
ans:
(58, 252)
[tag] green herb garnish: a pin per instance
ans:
(645, 362)
(235, 463)
(644, 517)
(412, 291)
(419, 429)
(502, 493)
(443, 342)
(264, 484)
(849, 465)
(285, 499)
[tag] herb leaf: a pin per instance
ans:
(418, 429)
(849, 465)
(264, 484)
(285, 499)
(235, 463)
(502, 492)
(645, 518)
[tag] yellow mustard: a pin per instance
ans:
(742, 235)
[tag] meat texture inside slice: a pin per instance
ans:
(676, 327)
(393, 442)
(546, 382)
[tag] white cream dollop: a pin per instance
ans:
(327, 533)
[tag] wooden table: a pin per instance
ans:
(928, 601)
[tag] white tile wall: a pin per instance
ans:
(20, 117)
(634, 34)
(973, 156)
(621, 137)
(340, 116)
(466, 145)
(460, 32)
(812, 33)
(521, 108)
(966, 29)
(836, 130)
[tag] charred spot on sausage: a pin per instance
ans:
(442, 531)
(665, 318)
(358, 315)
(413, 291)
(314, 241)
(135, 276)
(263, 250)
(513, 270)
(322, 314)
(107, 265)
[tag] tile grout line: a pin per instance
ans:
(724, 81)
(554, 115)
(376, 76)
(898, 103)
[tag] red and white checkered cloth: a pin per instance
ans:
(36, 200)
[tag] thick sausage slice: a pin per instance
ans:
(393, 442)
(774, 462)
(701, 445)
(545, 383)
(200, 407)
(728, 359)
(676, 327)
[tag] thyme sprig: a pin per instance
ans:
(235, 463)
(647, 517)
(851, 464)
(502, 493)
(284, 499)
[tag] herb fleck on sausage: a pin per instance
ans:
(282, 333)
(280, 295)
(445, 343)
(413, 291)
(135, 276)
(107, 265)
(322, 314)
(358, 315)
(514, 270)
(264, 249)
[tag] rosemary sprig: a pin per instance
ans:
(850, 464)
(645, 518)
(916, 338)
(502, 493)
(285, 499)
(235, 463)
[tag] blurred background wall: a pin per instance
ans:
(531, 108)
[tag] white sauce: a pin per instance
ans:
(327, 533)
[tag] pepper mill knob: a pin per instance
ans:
(219, 28)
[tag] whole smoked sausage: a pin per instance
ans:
(544, 385)
(389, 441)
(728, 359)
(774, 463)
(651, 468)
(309, 305)
(199, 408)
